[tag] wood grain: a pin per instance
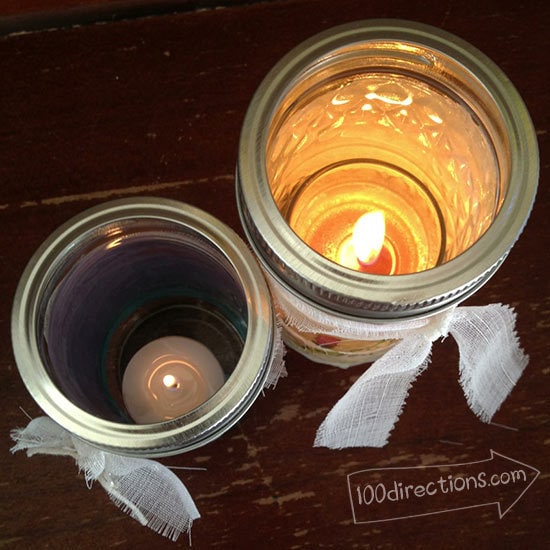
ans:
(154, 106)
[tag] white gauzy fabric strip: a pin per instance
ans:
(304, 317)
(148, 491)
(491, 359)
(491, 362)
(366, 414)
(277, 368)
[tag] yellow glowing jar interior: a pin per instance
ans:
(347, 144)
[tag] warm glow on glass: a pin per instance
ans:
(326, 214)
(368, 237)
(114, 243)
(383, 143)
(352, 123)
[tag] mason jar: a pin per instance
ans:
(144, 274)
(385, 170)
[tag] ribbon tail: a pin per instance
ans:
(367, 413)
(147, 490)
(491, 359)
(43, 436)
(151, 493)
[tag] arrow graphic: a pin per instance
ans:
(387, 494)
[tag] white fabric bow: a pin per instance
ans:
(148, 491)
(491, 362)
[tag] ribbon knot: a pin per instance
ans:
(491, 362)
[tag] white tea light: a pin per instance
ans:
(169, 377)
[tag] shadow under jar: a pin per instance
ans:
(144, 327)
(385, 170)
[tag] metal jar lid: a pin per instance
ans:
(86, 237)
(465, 70)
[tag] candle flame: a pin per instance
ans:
(169, 380)
(368, 237)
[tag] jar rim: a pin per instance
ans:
(291, 261)
(189, 431)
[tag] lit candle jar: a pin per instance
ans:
(385, 170)
(144, 326)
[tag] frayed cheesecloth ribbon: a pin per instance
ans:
(491, 361)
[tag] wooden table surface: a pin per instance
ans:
(154, 106)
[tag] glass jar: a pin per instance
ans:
(123, 275)
(398, 119)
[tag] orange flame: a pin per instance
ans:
(368, 237)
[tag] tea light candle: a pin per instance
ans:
(169, 377)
